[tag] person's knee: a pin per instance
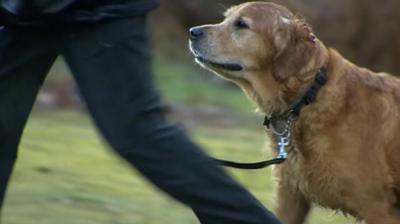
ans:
(8, 154)
(9, 140)
(141, 136)
(146, 124)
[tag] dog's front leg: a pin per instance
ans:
(292, 206)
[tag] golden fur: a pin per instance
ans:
(346, 145)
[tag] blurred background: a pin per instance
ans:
(66, 174)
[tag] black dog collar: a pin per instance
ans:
(309, 97)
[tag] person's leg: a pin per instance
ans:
(24, 62)
(111, 63)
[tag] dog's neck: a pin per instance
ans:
(293, 88)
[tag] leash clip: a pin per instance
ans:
(284, 138)
(283, 142)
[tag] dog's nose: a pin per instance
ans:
(196, 33)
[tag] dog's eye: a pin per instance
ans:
(241, 24)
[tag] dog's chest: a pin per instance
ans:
(319, 182)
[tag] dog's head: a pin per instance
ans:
(262, 47)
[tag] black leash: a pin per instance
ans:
(249, 166)
(293, 111)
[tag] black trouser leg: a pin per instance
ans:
(24, 62)
(111, 64)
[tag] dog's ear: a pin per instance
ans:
(281, 34)
(294, 43)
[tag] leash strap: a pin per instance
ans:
(249, 166)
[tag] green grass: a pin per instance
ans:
(66, 175)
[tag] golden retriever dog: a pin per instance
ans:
(344, 151)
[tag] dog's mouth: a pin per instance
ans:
(234, 67)
(224, 66)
